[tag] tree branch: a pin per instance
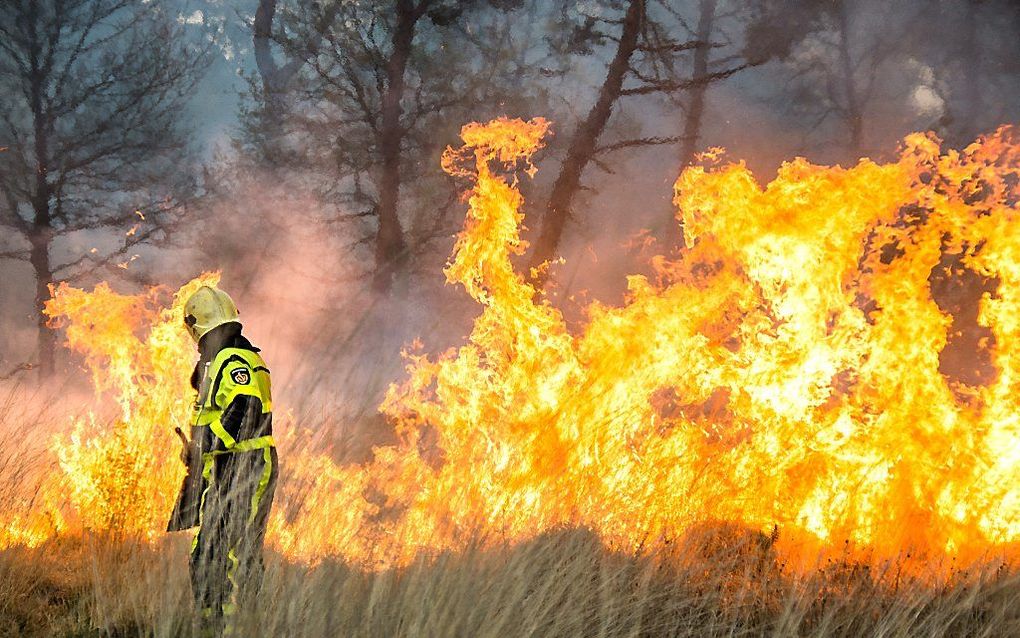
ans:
(672, 86)
(645, 141)
(18, 369)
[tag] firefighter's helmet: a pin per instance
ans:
(207, 308)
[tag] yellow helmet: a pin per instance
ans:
(206, 309)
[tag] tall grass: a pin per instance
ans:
(564, 583)
(719, 580)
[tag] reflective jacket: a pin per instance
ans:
(232, 414)
(233, 373)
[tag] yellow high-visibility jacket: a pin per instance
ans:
(232, 414)
(234, 372)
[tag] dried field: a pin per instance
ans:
(561, 584)
(719, 580)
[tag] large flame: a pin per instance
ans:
(783, 372)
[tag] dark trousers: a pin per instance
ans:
(226, 559)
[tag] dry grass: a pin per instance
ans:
(564, 583)
(721, 580)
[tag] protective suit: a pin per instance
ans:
(232, 463)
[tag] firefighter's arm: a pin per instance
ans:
(241, 417)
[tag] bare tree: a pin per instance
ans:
(723, 29)
(725, 32)
(850, 109)
(277, 79)
(382, 81)
(390, 243)
(838, 69)
(695, 107)
(584, 140)
(643, 63)
(94, 92)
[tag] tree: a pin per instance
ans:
(725, 31)
(643, 63)
(277, 79)
(585, 138)
(382, 80)
(695, 107)
(94, 93)
(843, 64)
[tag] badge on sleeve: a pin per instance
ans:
(241, 376)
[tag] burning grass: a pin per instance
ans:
(766, 438)
(718, 579)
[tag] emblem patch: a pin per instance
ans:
(241, 376)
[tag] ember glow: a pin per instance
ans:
(783, 372)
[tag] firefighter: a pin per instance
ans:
(232, 463)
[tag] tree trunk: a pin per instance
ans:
(854, 117)
(276, 78)
(273, 85)
(972, 58)
(390, 245)
(39, 257)
(689, 144)
(696, 105)
(585, 138)
(42, 224)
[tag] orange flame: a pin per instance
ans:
(782, 372)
